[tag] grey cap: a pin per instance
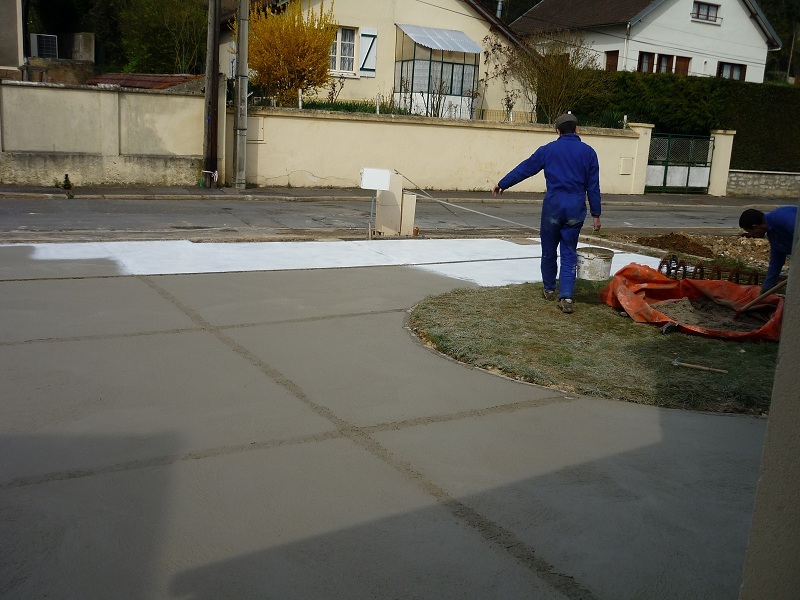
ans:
(566, 118)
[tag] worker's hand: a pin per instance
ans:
(496, 191)
(596, 223)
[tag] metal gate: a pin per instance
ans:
(679, 164)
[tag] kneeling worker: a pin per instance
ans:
(778, 225)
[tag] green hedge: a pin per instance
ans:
(765, 116)
(362, 106)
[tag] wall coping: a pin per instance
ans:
(789, 173)
(419, 120)
(97, 88)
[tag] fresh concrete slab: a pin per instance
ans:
(309, 520)
(281, 433)
(233, 299)
(369, 370)
(64, 308)
(634, 501)
(186, 387)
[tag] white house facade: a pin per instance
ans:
(723, 38)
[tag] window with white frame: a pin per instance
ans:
(343, 51)
(705, 12)
(731, 71)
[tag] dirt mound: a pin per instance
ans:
(749, 252)
(676, 242)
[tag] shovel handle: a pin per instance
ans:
(677, 363)
(762, 296)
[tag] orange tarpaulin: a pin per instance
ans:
(636, 288)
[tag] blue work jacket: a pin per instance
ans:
(780, 233)
(571, 171)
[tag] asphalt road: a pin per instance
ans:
(30, 219)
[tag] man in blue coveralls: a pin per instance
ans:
(778, 226)
(572, 174)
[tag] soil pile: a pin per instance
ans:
(676, 242)
(753, 252)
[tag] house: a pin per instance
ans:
(725, 38)
(426, 56)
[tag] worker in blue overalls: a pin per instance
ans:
(779, 227)
(572, 174)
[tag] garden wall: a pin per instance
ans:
(113, 136)
(764, 183)
(302, 148)
(100, 136)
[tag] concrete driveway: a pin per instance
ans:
(273, 430)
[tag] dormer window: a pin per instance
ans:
(705, 12)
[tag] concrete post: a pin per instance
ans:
(212, 70)
(242, 78)
(645, 131)
(773, 552)
(720, 162)
(222, 125)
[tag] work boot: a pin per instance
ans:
(549, 294)
(565, 304)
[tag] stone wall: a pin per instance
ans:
(764, 183)
(70, 72)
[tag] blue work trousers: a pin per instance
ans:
(560, 227)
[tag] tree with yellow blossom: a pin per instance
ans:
(289, 50)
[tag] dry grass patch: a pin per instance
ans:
(595, 350)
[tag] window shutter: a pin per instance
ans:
(612, 60)
(368, 52)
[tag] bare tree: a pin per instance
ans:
(553, 71)
(498, 61)
(436, 96)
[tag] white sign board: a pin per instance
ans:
(375, 179)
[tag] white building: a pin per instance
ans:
(725, 38)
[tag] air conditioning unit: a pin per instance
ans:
(44, 46)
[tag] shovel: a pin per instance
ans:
(760, 298)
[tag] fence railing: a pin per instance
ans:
(514, 116)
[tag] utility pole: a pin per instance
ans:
(242, 70)
(212, 96)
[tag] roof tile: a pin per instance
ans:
(141, 80)
(551, 15)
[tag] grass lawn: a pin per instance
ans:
(594, 351)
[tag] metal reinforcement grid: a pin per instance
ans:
(676, 268)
